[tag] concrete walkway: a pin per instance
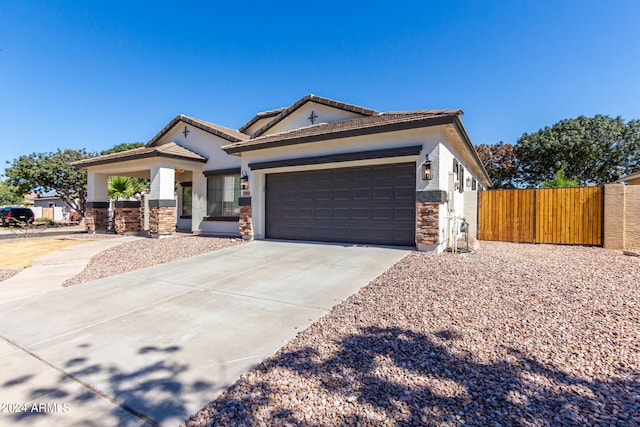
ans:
(153, 346)
(49, 271)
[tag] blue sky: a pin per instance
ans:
(93, 74)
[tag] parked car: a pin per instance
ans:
(16, 215)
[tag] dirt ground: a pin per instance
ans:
(18, 253)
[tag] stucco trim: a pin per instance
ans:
(413, 150)
(220, 172)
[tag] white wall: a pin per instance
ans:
(203, 143)
(299, 118)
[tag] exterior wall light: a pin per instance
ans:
(426, 170)
(468, 182)
(244, 181)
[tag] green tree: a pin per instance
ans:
(123, 187)
(501, 163)
(10, 195)
(52, 172)
(122, 147)
(559, 181)
(594, 150)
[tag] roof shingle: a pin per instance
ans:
(169, 150)
(221, 131)
(360, 126)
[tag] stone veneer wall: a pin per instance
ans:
(162, 220)
(96, 219)
(246, 224)
(126, 219)
(427, 223)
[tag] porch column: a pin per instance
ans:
(162, 202)
(126, 216)
(96, 216)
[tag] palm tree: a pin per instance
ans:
(123, 187)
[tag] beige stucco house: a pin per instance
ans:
(317, 170)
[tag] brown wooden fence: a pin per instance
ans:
(550, 215)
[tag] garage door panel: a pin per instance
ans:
(361, 213)
(403, 214)
(341, 214)
(406, 193)
(406, 170)
(324, 195)
(371, 204)
(342, 194)
(383, 173)
(361, 193)
(323, 214)
(382, 214)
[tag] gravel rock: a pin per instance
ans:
(514, 334)
(130, 256)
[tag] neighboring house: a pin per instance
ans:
(631, 179)
(51, 206)
(317, 170)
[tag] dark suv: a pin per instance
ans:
(16, 215)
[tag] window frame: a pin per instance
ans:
(235, 173)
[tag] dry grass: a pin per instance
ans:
(18, 253)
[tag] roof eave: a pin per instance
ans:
(83, 164)
(465, 137)
(313, 98)
(189, 121)
(388, 127)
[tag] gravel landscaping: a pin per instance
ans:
(515, 334)
(146, 252)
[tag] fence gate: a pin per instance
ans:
(550, 215)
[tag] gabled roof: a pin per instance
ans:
(170, 150)
(214, 129)
(361, 126)
(260, 116)
(285, 112)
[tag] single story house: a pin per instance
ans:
(51, 206)
(319, 170)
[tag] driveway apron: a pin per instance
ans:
(153, 346)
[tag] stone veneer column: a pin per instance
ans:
(428, 219)
(162, 217)
(427, 223)
(96, 216)
(246, 223)
(126, 217)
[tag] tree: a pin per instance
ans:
(595, 150)
(52, 172)
(122, 147)
(501, 163)
(123, 187)
(10, 195)
(559, 181)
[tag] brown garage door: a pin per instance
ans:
(370, 204)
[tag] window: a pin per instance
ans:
(473, 185)
(223, 192)
(185, 206)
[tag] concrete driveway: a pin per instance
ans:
(155, 345)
